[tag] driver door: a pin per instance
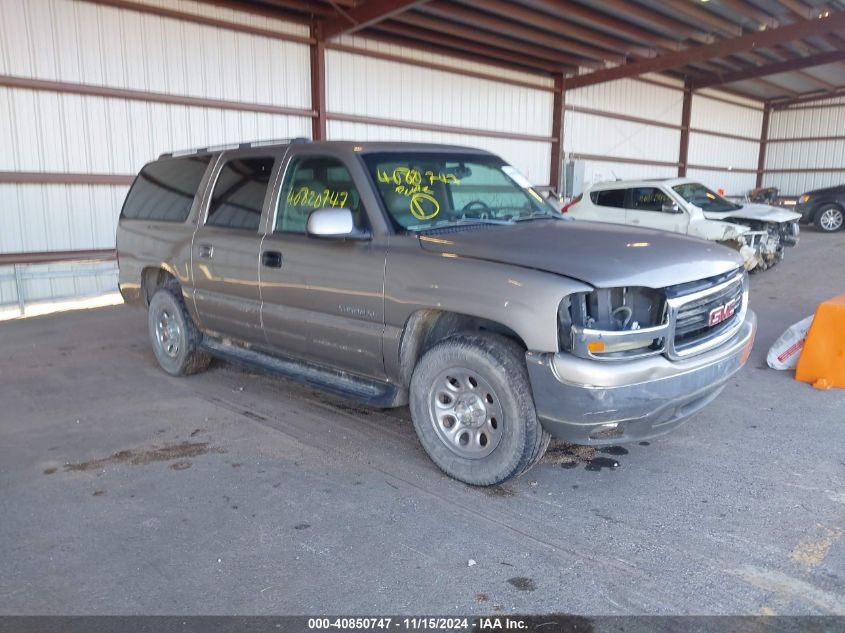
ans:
(644, 208)
(323, 299)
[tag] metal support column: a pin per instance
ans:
(686, 114)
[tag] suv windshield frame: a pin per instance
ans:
(713, 196)
(427, 178)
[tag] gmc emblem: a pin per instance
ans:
(717, 315)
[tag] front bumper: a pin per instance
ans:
(592, 402)
(806, 211)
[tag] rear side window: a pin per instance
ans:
(164, 190)
(609, 198)
(648, 199)
(239, 192)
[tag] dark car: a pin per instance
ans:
(823, 207)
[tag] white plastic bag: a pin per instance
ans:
(786, 350)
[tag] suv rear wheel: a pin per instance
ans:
(829, 218)
(473, 410)
(174, 337)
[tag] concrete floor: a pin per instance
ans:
(123, 490)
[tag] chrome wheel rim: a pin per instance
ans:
(831, 219)
(466, 413)
(168, 332)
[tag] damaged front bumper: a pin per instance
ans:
(761, 249)
(590, 402)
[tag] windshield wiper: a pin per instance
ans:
(540, 215)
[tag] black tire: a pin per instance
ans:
(829, 218)
(495, 364)
(178, 352)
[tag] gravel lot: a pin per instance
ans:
(123, 490)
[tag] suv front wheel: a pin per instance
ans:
(174, 337)
(473, 410)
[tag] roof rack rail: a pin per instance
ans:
(230, 146)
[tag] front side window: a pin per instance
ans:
(649, 199)
(609, 198)
(423, 191)
(316, 182)
(702, 197)
(164, 190)
(239, 193)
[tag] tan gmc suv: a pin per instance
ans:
(434, 276)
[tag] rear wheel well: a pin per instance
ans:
(425, 328)
(152, 279)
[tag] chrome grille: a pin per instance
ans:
(690, 315)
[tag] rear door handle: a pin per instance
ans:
(205, 251)
(271, 259)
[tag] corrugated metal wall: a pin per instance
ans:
(734, 158)
(623, 129)
(599, 137)
(821, 119)
(594, 135)
(369, 87)
(86, 43)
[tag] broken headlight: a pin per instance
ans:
(614, 323)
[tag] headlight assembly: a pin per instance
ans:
(804, 198)
(614, 323)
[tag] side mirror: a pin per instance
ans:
(334, 223)
(670, 207)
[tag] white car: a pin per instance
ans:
(758, 231)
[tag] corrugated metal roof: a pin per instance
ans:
(576, 37)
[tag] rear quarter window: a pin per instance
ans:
(164, 190)
(609, 198)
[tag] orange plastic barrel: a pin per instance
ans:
(822, 360)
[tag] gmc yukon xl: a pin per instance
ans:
(437, 277)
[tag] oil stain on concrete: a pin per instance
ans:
(143, 456)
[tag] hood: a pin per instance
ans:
(603, 255)
(835, 190)
(753, 211)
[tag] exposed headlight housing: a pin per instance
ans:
(804, 198)
(614, 323)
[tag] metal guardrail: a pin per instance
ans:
(19, 261)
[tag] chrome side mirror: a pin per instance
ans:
(334, 223)
(670, 207)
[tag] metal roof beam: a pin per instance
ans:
(752, 12)
(780, 103)
(448, 27)
(364, 15)
(769, 69)
(722, 48)
(559, 26)
(570, 10)
(660, 21)
(491, 54)
(509, 28)
(704, 16)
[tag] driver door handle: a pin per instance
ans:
(271, 259)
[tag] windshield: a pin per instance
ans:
(423, 191)
(702, 197)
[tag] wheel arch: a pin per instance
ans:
(824, 204)
(155, 277)
(427, 327)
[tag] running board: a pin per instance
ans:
(366, 391)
